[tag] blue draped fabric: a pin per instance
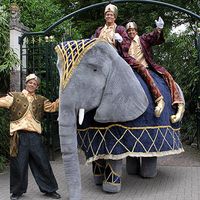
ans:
(145, 136)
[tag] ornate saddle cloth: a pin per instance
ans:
(146, 136)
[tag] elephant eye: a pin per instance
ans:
(94, 70)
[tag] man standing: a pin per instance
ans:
(26, 109)
(136, 51)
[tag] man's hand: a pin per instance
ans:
(118, 37)
(159, 23)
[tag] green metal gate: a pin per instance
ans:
(38, 56)
(198, 96)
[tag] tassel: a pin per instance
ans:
(14, 141)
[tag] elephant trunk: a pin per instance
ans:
(68, 141)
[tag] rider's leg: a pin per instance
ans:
(157, 96)
(177, 98)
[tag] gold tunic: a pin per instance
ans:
(28, 121)
(107, 33)
(135, 51)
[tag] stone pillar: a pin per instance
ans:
(198, 92)
(16, 30)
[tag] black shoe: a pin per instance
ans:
(15, 196)
(53, 195)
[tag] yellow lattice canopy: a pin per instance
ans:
(72, 53)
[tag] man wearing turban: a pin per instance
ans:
(111, 32)
(26, 147)
(136, 50)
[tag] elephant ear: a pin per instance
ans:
(123, 98)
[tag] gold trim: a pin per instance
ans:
(134, 154)
(126, 127)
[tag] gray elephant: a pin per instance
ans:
(97, 83)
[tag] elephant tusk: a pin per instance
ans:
(81, 115)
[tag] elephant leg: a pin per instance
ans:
(112, 176)
(148, 167)
(132, 165)
(98, 168)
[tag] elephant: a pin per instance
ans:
(114, 109)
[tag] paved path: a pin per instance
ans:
(178, 179)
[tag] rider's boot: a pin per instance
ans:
(179, 115)
(159, 107)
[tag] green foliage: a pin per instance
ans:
(4, 133)
(3, 162)
(38, 15)
(8, 58)
(181, 61)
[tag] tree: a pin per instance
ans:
(8, 58)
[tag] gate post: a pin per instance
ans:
(198, 92)
(17, 29)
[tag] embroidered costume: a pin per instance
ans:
(26, 147)
(107, 33)
(145, 43)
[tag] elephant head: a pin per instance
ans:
(93, 76)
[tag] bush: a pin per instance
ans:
(4, 137)
(2, 163)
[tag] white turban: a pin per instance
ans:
(112, 8)
(33, 76)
